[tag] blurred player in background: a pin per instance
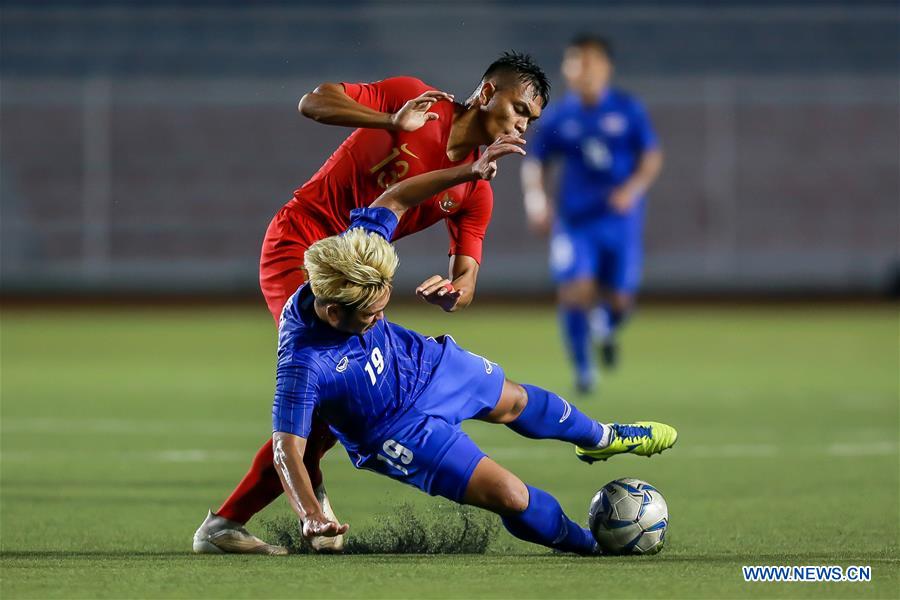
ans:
(404, 128)
(610, 157)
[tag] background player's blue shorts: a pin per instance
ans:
(426, 447)
(608, 250)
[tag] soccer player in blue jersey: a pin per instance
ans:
(395, 398)
(610, 157)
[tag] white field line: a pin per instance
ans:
(531, 453)
(76, 426)
(161, 456)
(537, 451)
(740, 451)
(863, 449)
(192, 456)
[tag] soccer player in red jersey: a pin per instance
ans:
(403, 128)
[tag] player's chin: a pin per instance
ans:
(498, 129)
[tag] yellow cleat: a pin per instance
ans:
(644, 438)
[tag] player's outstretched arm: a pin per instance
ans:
(288, 459)
(329, 104)
(454, 292)
(449, 295)
(413, 191)
(538, 207)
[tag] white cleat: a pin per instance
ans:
(218, 535)
(321, 543)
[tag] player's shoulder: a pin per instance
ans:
(407, 82)
(478, 195)
(311, 359)
(625, 99)
(556, 109)
(307, 347)
(399, 332)
(565, 108)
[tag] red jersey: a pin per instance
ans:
(370, 160)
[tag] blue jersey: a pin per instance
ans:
(359, 383)
(600, 147)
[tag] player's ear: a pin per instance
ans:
(335, 314)
(488, 89)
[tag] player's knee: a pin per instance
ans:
(518, 399)
(493, 488)
(508, 496)
(512, 402)
(515, 497)
(521, 397)
(621, 303)
(577, 294)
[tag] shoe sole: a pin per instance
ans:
(335, 548)
(591, 460)
(206, 548)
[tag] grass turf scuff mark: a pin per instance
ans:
(441, 528)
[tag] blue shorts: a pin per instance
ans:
(426, 447)
(607, 250)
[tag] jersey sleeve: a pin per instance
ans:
(378, 220)
(468, 226)
(642, 129)
(387, 95)
(296, 396)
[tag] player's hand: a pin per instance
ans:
(486, 165)
(414, 113)
(541, 224)
(623, 198)
(439, 291)
(318, 524)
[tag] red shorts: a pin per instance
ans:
(280, 273)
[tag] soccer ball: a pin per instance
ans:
(629, 516)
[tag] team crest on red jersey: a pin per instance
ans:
(448, 203)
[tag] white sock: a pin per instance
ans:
(607, 437)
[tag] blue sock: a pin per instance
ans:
(545, 523)
(577, 336)
(614, 320)
(547, 416)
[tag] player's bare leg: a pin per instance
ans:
(513, 400)
(536, 413)
(528, 513)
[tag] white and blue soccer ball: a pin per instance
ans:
(629, 516)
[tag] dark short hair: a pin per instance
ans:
(523, 67)
(597, 42)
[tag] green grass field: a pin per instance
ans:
(121, 427)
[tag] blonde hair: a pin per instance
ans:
(353, 269)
